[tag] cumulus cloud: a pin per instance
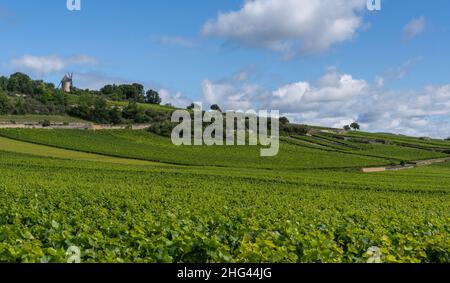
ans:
(44, 65)
(176, 99)
(289, 26)
(230, 96)
(338, 99)
(96, 81)
(414, 28)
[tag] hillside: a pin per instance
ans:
(319, 151)
(130, 195)
(114, 195)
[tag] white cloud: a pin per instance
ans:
(44, 65)
(339, 99)
(414, 28)
(289, 26)
(176, 99)
(96, 81)
(230, 96)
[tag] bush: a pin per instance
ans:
(293, 129)
(46, 123)
(162, 128)
(5, 104)
(284, 121)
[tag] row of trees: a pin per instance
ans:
(130, 92)
(20, 83)
(96, 109)
(355, 126)
(23, 84)
(19, 95)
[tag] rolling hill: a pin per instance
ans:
(131, 196)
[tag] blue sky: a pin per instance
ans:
(247, 59)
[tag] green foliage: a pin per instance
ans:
(146, 146)
(123, 213)
(293, 129)
(124, 92)
(163, 128)
(20, 83)
(284, 121)
(392, 152)
(5, 104)
(401, 140)
(3, 83)
(46, 123)
(93, 108)
(26, 96)
(152, 97)
(37, 118)
(355, 126)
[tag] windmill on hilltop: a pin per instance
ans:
(66, 83)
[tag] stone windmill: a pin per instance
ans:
(67, 83)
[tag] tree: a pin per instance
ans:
(447, 139)
(130, 111)
(139, 93)
(108, 90)
(152, 97)
(20, 82)
(347, 128)
(115, 116)
(191, 107)
(284, 121)
(124, 92)
(355, 126)
(132, 92)
(19, 107)
(3, 83)
(294, 129)
(216, 107)
(5, 104)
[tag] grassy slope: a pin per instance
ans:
(145, 106)
(143, 214)
(118, 210)
(142, 145)
(47, 151)
(403, 139)
(40, 118)
(395, 152)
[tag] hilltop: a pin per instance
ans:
(112, 104)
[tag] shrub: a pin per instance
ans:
(290, 129)
(46, 123)
(162, 128)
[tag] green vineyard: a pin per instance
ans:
(131, 196)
